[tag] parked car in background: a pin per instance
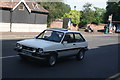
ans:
(52, 44)
(117, 28)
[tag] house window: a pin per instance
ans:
(21, 7)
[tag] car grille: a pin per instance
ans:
(31, 50)
(28, 48)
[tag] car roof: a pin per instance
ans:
(62, 30)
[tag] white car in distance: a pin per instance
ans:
(52, 44)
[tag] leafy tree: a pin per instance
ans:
(113, 8)
(87, 15)
(87, 7)
(56, 10)
(74, 15)
(91, 14)
(99, 14)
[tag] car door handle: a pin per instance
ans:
(73, 44)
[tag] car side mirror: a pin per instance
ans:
(34, 37)
(65, 42)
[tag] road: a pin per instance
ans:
(101, 61)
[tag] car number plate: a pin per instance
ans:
(26, 53)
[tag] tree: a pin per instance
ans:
(99, 14)
(113, 8)
(91, 14)
(56, 10)
(87, 7)
(87, 15)
(74, 15)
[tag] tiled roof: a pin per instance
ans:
(36, 7)
(8, 4)
(32, 5)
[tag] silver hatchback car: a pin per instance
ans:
(52, 44)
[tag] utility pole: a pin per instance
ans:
(110, 25)
(11, 16)
(11, 21)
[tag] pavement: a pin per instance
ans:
(18, 35)
(24, 35)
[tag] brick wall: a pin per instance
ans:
(56, 24)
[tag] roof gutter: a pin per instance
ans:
(32, 11)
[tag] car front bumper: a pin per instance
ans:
(27, 56)
(32, 55)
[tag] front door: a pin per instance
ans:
(68, 45)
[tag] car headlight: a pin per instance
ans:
(40, 50)
(19, 46)
(34, 50)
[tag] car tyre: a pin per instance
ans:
(51, 61)
(80, 55)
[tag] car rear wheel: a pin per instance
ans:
(80, 55)
(51, 60)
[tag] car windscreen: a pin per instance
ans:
(49, 35)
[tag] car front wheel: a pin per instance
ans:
(80, 55)
(51, 60)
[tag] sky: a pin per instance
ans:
(79, 3)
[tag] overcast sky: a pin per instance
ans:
(79, 3)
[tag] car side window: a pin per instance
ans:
(69, 37)
(79, 38)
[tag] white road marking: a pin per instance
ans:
(118, 74)
(114, 76)
(8, 56)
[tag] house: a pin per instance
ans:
(22, 16)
